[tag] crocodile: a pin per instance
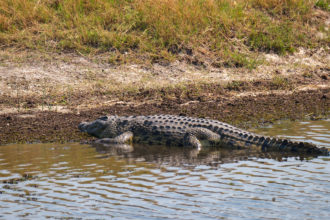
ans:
(173, 130)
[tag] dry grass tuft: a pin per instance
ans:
(162, 29)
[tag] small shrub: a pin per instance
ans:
(234, 85)
(241, 60)
(280, 82)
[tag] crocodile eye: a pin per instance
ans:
(103, 118)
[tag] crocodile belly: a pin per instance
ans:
(158, 138)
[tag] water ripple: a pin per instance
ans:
(75, 181)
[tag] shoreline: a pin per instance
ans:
(245, 112)
(43, 97)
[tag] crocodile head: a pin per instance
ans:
(102, 127)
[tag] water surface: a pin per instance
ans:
(80, 181)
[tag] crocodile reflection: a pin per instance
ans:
(178, 156)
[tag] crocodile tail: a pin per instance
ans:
(273, 144)
(278, 144)
(243, 139)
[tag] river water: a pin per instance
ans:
(74, 181)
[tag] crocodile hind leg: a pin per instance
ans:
(206, 135)
(195, 135)
(124, 138)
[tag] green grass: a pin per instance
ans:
(154, 30)
(323, 4)
(279, 82)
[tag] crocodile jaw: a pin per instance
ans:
(95, 128)
(82, 126)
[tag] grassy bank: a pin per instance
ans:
(230, 33)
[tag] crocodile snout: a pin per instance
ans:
(82, 126)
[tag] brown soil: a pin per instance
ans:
(49, 126)
(43, 99)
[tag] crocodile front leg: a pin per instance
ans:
(192, 140)
(124, 138)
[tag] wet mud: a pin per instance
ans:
(210, 101)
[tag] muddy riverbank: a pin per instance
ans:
(244, 111)
(43, 97)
